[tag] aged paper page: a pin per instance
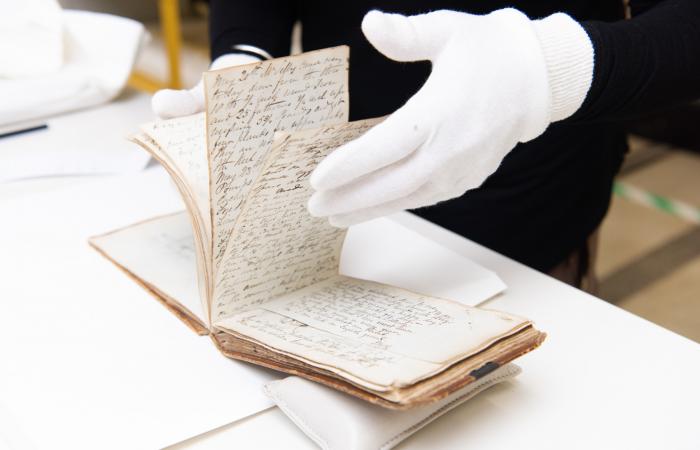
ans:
(182, 140)
(377, 336)
(402, 322)
(370, 367)
(160, 253)
(247, 104)
(277, 246)
(177, 150)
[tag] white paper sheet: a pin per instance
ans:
(88, 359)
(384, 250)
(11, 437)
(93, 141)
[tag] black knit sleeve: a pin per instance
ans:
(646, 63)
(266, 24)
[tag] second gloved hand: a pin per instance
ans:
(496, 80)
(170, 103)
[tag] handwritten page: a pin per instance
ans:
(373, 368)
(182, 140)
(247, 104)
(179, 144)
(402, 322)
(278, 247)
(372, 332)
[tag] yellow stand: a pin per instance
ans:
(169, 16)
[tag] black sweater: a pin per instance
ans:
(551, 193)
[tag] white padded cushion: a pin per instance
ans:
(337, 421)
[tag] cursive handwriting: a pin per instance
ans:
(247, 104)
(277, 247)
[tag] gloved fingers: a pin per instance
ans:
(424, 196)
(388, 142)
(387, 184)
(169, 103)
(407, 38)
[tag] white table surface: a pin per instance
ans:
(603, 379)
(81, 142)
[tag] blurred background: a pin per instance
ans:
(649, 254)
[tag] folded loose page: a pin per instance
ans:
(388, 251)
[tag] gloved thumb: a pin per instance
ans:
(169, 103)
(406, 38)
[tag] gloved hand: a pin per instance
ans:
(169, 103)
(496, 80)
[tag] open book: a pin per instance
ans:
(266, 272)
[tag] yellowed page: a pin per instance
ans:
(160, 254)
(279, 285)
(183, 140)
(175, 151)
(396, 320)
(247, 104)
(277, 247)
(372, 368)
(377, 336)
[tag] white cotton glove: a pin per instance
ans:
(170, 103)
(496, 80)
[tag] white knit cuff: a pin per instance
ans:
(568, 53)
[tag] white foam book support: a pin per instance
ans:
(335, 421)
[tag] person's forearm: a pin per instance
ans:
(646, 63)
(265, 24)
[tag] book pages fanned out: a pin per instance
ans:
(268, 272)
(246, 105)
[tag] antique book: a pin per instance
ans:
(266, 272)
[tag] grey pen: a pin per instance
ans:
(16, 131)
